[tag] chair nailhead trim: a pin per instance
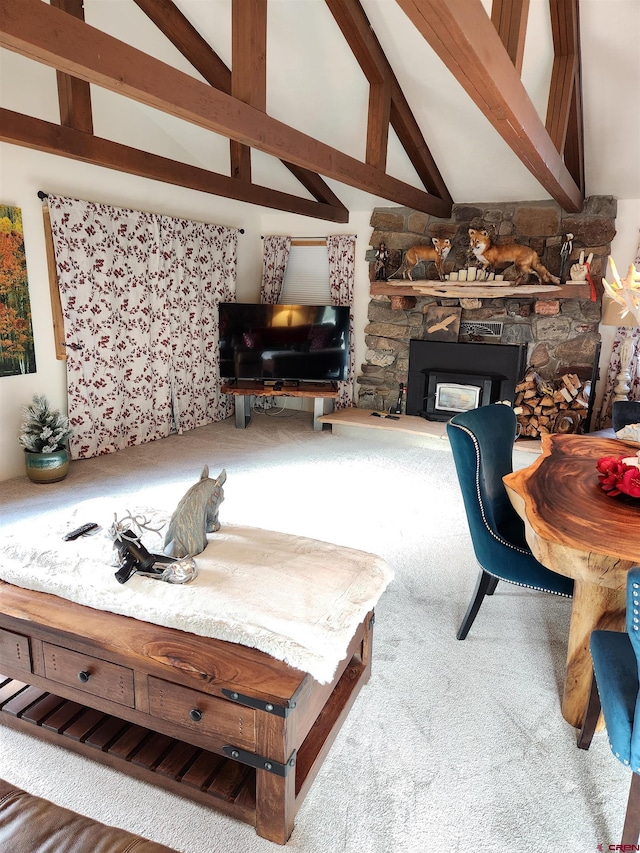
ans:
(486, 524)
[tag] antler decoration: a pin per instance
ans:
(626, 291)
(131, 524)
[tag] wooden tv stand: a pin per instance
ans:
(245, 389)
(223, 724)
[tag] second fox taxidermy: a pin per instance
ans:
(524, 259)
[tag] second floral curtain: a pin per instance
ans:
(342, 260)
(275, 254)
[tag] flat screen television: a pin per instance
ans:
(284, 343)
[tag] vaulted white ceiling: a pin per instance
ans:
(314, 84)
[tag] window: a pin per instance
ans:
(306, 279)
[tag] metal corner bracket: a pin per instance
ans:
(260, 763)
(258, 704)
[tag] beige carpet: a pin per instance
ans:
(453, 746)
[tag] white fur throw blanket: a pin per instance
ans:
(297, 599)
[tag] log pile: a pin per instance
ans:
(544, 406)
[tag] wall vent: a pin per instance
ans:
(481, 330)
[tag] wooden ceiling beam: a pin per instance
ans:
(354, 24)
(43, 33)
(180, 32)
(463, 36)
(184, 36)
(564, 109)
(378, 125)
(40, 135)
(74, 96)
(359, 35)
(574, 143)
(510, 18)
(563, 75)
(248, 70)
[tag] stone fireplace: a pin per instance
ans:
(557, 331)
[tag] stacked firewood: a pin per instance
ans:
(544, 406)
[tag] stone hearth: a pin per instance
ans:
(559, 329)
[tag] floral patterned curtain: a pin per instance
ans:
(275, 254)
(622, 334)
(138, 294)
(201, 273)
(342, 259)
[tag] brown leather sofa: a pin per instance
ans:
(30, 824)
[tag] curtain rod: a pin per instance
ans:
(43, 196)
(355, 237)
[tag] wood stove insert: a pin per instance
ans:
(448, 377)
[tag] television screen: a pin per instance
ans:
(284, 342)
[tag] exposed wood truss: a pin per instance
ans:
(387, 103)
(485, 56)
(67, 142)
(464, 37)
(74, 96)
(48, 35)
(564, 113)
(173, 24)
(509, 17)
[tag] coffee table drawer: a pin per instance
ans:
(15, 651)
(92, 675)
(199, 711)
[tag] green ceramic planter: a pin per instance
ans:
(47, 467)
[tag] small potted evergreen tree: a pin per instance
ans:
(44, 435)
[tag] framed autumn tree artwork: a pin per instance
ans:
(17, 354)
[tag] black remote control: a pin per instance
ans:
(80, 531)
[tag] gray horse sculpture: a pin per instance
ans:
(195, 516)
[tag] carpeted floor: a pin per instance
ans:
(453, 746)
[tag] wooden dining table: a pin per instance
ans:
(574, 528)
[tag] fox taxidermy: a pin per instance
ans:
(524, 259)
(436, 253)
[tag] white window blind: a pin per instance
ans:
(306, 279)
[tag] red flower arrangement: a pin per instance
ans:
(618, 477)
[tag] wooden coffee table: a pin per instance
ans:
(220, 723)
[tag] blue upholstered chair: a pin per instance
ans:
(624, 413)
(482, 444)
(615, 690)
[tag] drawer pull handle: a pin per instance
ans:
(83, 676)
(195, 714)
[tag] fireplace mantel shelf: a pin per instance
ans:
(404, 288)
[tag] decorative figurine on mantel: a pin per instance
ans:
(524, 258)
(382, 259)
(195, 516)
(580, 271)
(565, 253)
(437, 253)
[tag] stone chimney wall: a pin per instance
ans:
(561, 333)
